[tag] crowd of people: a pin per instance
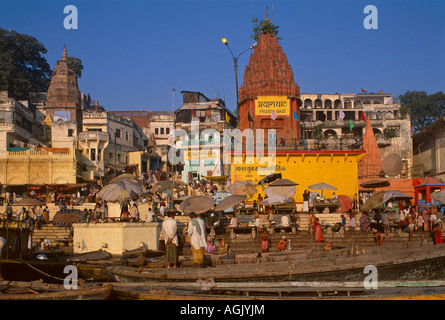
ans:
(409, 219)
(156, 209)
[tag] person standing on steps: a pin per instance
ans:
(196, 231)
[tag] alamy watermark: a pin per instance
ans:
(71, 21)
(371, 280)
(371, 20)
(238, 146)
(71, 280)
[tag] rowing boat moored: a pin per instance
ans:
(36, 290)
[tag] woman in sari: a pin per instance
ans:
(437, 234)
(364, 222)
(318, 231)
(211, 247)
(426, 219)
(196, 231)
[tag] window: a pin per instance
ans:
(70, 132)
(162, 130)
(156, 130)
(118, 133)
(272, 138)
(167, 130)
(93, 154)
(127, 136)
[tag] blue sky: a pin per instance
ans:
(135, 51)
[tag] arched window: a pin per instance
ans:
(308, 103)
(330, 134)
(328, 103)
(338, 104)
(379, 115)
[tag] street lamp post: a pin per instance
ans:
(235, 65)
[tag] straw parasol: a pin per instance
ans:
(230, 202)
(28, 202)
(197, 204)
(120, 190)
(65, 219)
(275, 199)
(392, 195)
(375, 184)
(284, 187)
(439, 196)
(243, 188)
(124, 177)
(321, 186)
(375, 201)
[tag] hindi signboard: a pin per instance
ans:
(264, 105)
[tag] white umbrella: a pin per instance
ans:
(438, 196)
(229, 202)
(120, 190)
(321, 186)
(284, 187)
(275, 199)
(395, 195)
(197, 204)
(288, 191)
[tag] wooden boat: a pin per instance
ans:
(52, 271)
(413, 290)
(412, 262)
(20, 290)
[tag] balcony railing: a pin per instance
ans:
(94, 135)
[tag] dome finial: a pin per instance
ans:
(267, 15)
(65, 54)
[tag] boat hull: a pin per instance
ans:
(408, 264)
(45, 291)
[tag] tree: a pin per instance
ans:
(424, 109)
(23, 68)
(75, 64)
(263, 26)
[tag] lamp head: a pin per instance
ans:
(224, 40)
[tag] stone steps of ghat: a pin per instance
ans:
(247, 244)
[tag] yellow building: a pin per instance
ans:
(337, 168)
(39, 166)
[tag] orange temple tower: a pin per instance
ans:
(269, 95)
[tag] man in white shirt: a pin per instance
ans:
(169, 228)
(233, 222)
(149, 215)
(134, 212)
(285, 221)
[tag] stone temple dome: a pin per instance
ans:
(63, 92)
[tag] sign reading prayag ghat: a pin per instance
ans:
(264, 105)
